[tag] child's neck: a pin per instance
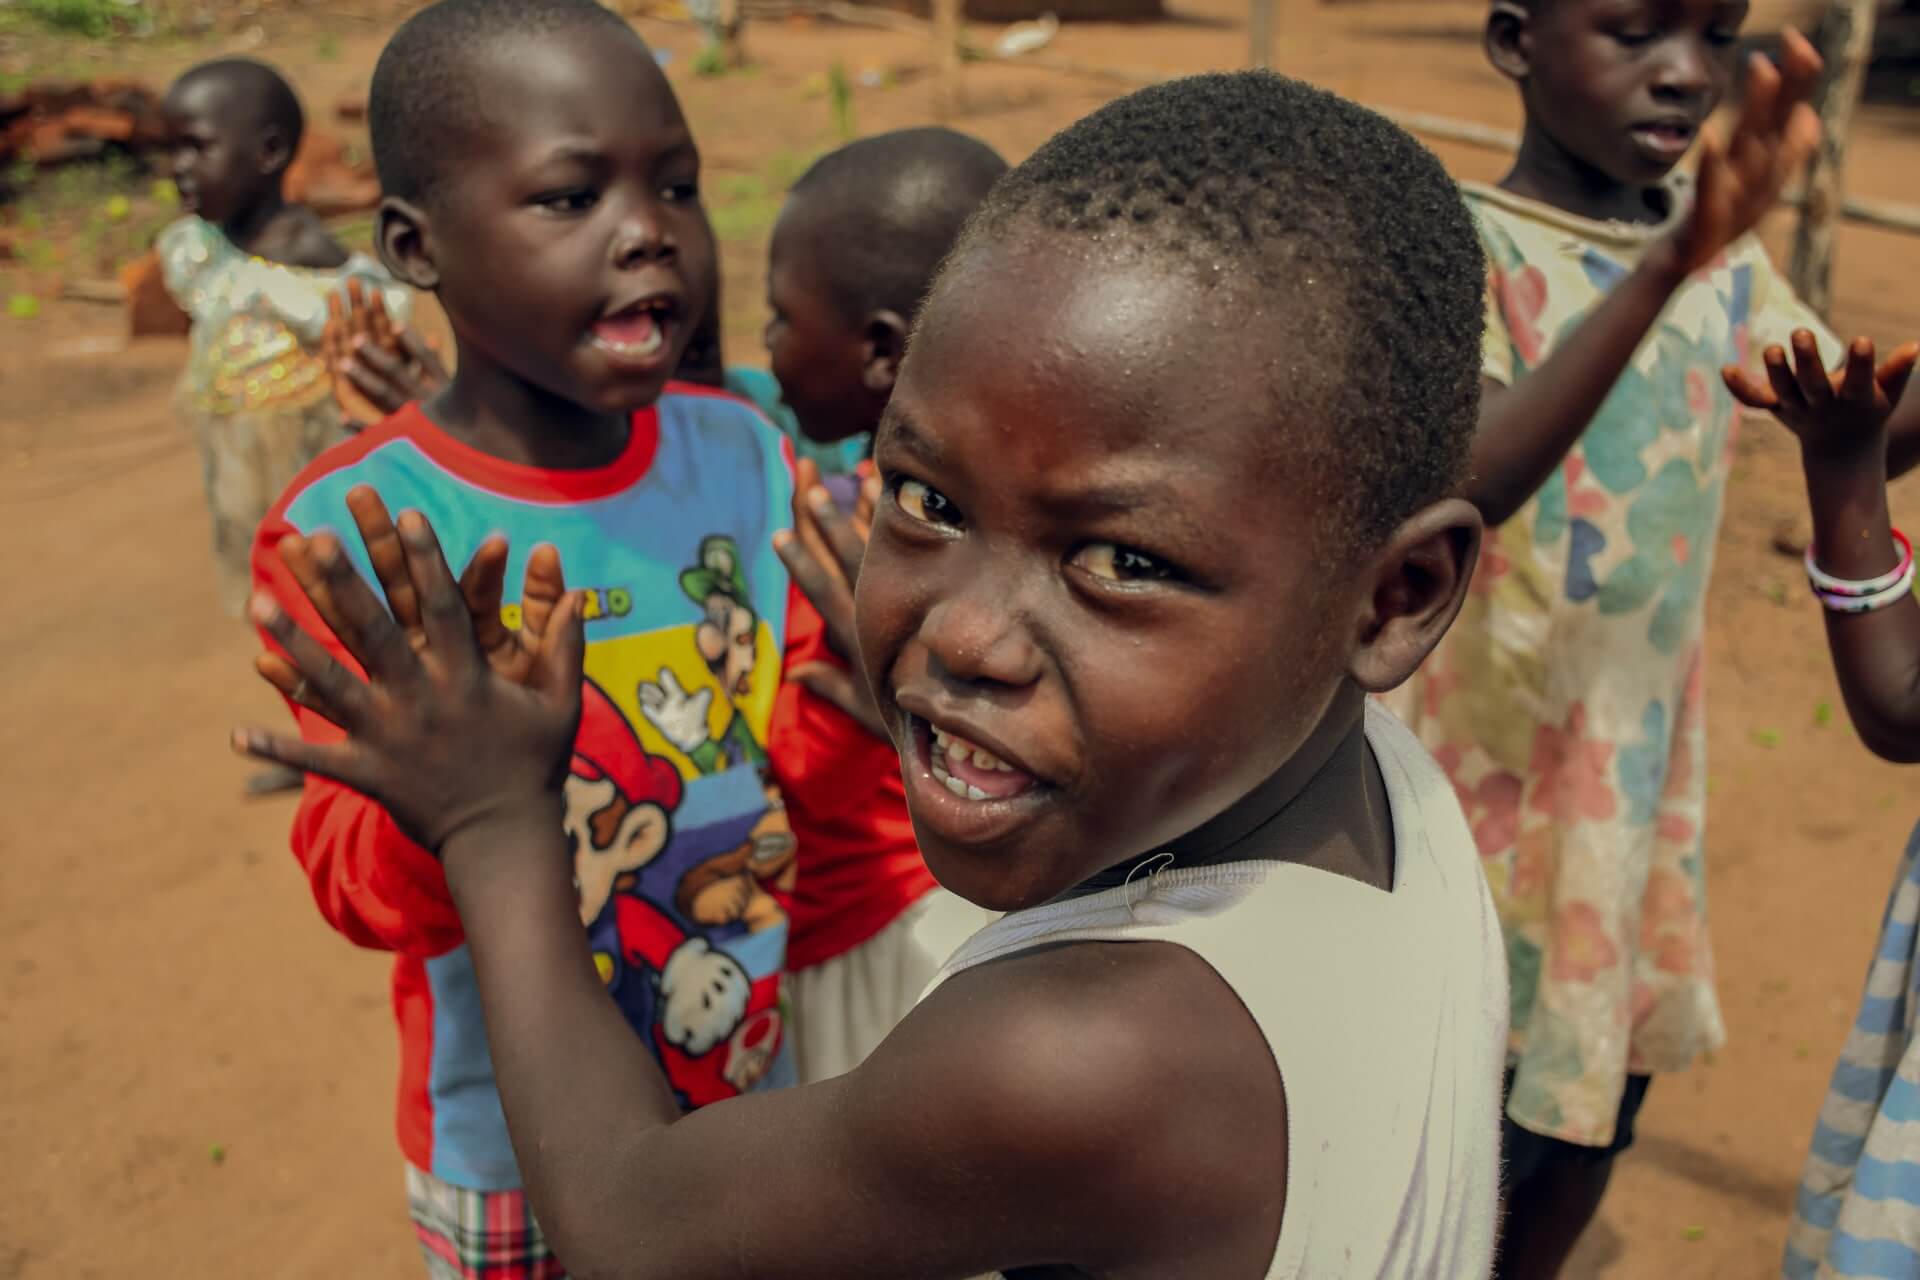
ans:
(1547, 172)
(251, 229)
(1326, 807)
(505, 417)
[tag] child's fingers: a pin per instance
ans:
(1786, 387)
(1800, 68)
(847, 546)
(416, 349)
(562, 654)
(541, 591)
(1857, 384)
(343, 693)
(1816, 384)
(1895, 373)
(388, 382)
(369, 633)
(829, 592)
(380, 323)
(293, 686)
(296, 553)
(443, 610)
(844, 690)
(378, 391)
(1748, 392)
(482, 584)
(389, 559)
(1760, 110)
(339, 761)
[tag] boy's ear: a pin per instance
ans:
(1509, 38)
(885, 344)
(1419, 582)
(276, 151)
(406, 243)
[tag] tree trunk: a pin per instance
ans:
(1845, 40)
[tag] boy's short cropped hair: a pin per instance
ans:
(265, 93)
(897, 202)
(424, 93)
(1317, 217)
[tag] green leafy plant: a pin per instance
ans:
(840, 101)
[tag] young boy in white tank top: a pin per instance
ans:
(1167, 472)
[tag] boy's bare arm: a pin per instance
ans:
(1030, 1112)
(1527, 430)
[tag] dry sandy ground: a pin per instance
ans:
(196, 1075)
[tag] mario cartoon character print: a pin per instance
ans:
(670, 889)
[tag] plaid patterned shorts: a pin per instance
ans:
(477, 1235)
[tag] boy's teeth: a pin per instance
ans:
(960, 788)
(974, 793)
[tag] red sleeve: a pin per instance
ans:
(825, 761)
(371, 882)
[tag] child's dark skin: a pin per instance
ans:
(1615, 92)
(1079, 563)
(836, 372)
(1841, 422)
(230, 167)
(566, 241)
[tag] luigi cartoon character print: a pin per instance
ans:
(727, 636)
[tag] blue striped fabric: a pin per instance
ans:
(1857, 1214)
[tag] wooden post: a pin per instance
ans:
(1845, 40)
(1260, 35)
(946, 60)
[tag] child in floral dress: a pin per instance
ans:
(254, 273)
(1566, 702)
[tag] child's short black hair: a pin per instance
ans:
(898, 201)
(259, 87)
(1250, 177)
(424, 92)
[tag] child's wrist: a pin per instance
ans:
(512, 834)
(1666, 260)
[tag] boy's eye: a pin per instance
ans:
(1113, 563)
(927, 505)
(577, 201)
(1633, 37)
(681, 192)
(1723, 36)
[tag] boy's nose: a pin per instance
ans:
(975, 637)
(1685, 71)
(642, 239)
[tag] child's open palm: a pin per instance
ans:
(1742, 178)
(377, 368)
(1836, 415)
(514, 653)
(438, 732)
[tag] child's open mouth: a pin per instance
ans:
(972, 772)
(1666, 140)
(637, 334)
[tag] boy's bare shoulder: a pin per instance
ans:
(1129, 1072)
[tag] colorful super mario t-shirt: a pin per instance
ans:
(681, 849)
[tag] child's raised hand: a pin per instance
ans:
(436, 733)
(510, 652)
(1742, 178)
(1839, 415)
(823, 554)
(377, 369)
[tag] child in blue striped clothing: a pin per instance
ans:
(1858, 1210)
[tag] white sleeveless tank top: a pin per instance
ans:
(1386, 1013)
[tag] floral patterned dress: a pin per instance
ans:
(256, 391)
(1566, 703)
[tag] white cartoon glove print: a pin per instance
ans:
(705, 993)
(681, 717)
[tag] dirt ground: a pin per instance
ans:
(196, 1075)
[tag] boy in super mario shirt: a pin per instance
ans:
(568, 248)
